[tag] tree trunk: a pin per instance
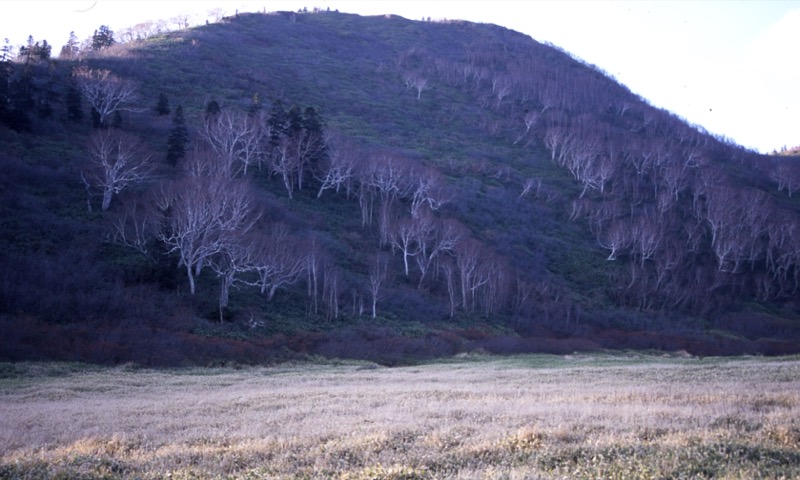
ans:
(107, 198)
(224, 294)
(191, 279)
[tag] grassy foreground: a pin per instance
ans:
(608, 416)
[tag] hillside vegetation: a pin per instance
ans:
(372, 187)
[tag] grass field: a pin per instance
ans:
(608, 416)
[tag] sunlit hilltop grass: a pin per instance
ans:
(520, 417)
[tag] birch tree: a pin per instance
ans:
(118, 160)
(280, 260)
(203, 217)
(340, 166)
(235, 138)
(377, 276)
(105, 92)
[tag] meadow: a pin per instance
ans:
(475, 416)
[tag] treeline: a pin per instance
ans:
(32, 86)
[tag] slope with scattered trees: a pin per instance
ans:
(374, 187)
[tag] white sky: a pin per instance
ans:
(731, 66)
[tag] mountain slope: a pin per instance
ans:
(572, 208)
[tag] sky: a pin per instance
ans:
(730, 66)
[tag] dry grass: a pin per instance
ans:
(515, 418)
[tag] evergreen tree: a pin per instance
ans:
(212, 109)
(25, 54)
(5, 80)
(162, 106)
(7, 52)
(5, 73)
(42, 52)
(20, 100)
(311, 122)
(71, 48)
(46, 98)
(277, 122)
(294, 122)
(102, 38)
(255, 107)
(314, 137)
(74, 106)
(178, 138)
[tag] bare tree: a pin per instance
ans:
(118, 160)
(722, 210)
(323, 281)
(141, 31)
(388, 175)
(472, 274)
(673, 180)
(340, 165)
(560, 141)
(236, 138)
(405, 236)
(417, 82)
(501, 88)
(646, 235)
(205, 216)
(181, 21)
(427, 190)
(531, 120)
(616, 237)
(283, 162)
(495, 292)
(786, 173)
(377, 276)
(280, 260)
(105, 92)
(448, 269)
(202, 162)
(216, 14)
(233, 259)
(528, 184)
(135, 226)
(437, 239)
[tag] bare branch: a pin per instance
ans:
(118, 161)
(105, 92)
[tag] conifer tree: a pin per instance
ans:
(178, 137)
(5, 80)
(7, 52)
(277, 122)
(162, 106)
(102, 38)
(255, 107)
(294, 122)
(74, 104)
(47, 97)
(43, 51)
(71, 48)
(25, 54)
(20, 100)
(212, 109)
(313, 138)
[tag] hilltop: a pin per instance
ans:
(375, 187)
